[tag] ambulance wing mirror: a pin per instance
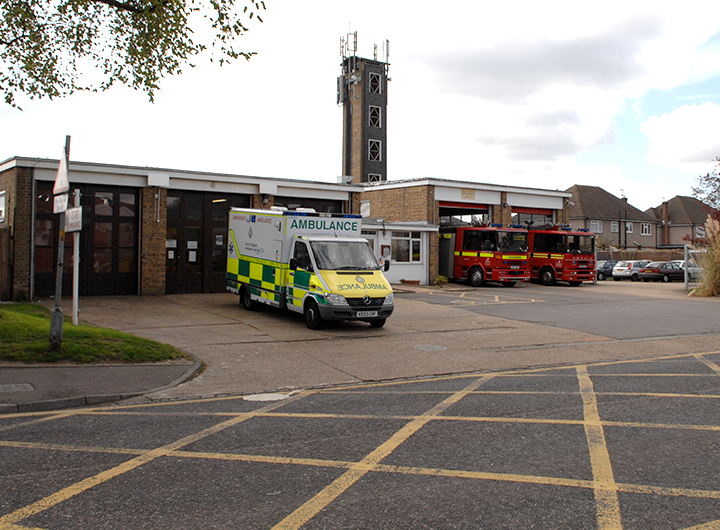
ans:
(386, 265)
(293, 264)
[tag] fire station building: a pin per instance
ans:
(163, 231)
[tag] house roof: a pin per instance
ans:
(683, 210)
(592, 202)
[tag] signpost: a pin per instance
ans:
(60, 190)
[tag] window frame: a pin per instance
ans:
(374, 116)
(628, 227)
(614, 227)
(645, 229)
(598, 224)
(374, 150)
(374, 83)
(410, 237)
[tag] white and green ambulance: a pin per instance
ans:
(308, 262)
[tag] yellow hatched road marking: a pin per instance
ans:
(606, 498)
(708, 363)
(90, 482)
(308, 510)
(713, 525)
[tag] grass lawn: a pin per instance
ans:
(25, 337)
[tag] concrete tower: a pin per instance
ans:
(362, 92)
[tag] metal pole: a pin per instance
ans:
(56, 316)
(76, 266)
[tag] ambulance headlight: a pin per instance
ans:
(388, 299)
(336, 299)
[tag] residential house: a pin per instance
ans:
(614, 222)
(681, 221)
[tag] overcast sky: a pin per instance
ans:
(622, 95)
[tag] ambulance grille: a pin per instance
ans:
(360, 302)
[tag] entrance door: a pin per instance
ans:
(196, 245)
(108, 242)
(184, 242)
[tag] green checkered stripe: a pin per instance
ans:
(302, 285)
(264, 277)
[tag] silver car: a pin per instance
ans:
(628, 269)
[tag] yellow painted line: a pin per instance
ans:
(90, 482)
(712, 525)
(308, 510)
(17, 527)
(35, 419)
(72, 448)
(708, 363)
(606, 498)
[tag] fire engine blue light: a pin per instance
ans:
(496, 225)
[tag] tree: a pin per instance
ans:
(52, 48)
(708, 187)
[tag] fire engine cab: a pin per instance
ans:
(485, 253)
(559, 253)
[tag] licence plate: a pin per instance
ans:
(365, 314)
(583, 266)
(514, 266)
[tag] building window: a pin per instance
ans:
(596, 227)
(645, 229)
(375, 120)
(628, 227)
(2, 206)
(406, 247)
(374, 177)
(374, 150)
(614, 227)
(375, 83)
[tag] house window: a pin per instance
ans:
(374, 150)
(374, 114)
(614, 227)
(596, 227)
(628, 227)
(374, 81)
(374, 177)
(406, 247)
(645, 229)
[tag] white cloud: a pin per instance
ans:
(685, 139)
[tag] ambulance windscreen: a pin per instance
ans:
(344, 255)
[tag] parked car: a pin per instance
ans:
(666, 271)
(604, 269)
(692, 268)
(628, 269)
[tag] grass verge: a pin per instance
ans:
(25, 337)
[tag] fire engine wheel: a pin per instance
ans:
(476, 277)
(245, 299)
(508, 284)
(313, 320)
(547, 276)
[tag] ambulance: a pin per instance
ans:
(311, 263)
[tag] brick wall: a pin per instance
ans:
(152, 247)
(17, 184)
(415, 203)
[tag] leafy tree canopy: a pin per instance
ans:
(708, 187)
(52, 48)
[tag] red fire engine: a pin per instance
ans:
(560, 253)
(485, 253)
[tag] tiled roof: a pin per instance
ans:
(685, 210)
(592, 202)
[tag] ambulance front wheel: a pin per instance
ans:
(313, 320)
